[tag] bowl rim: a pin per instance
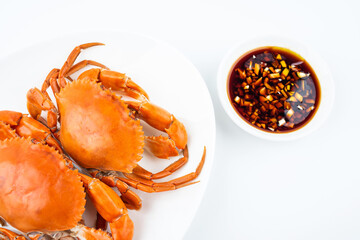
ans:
(312, 57)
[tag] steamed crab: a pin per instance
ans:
(41, 191)
(101, 130)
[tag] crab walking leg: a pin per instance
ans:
(82, 64)
(143, 173)
(149, 186)
(131, 199)
(53, 74)
(110, 207)
(10, 235)
(162, 120)
(110, 79)
(25, 126)
(71, 59)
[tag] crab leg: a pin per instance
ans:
(71, 59)
(131, 199)
(39, 101)
(150, 186)
(25, 126)
(110, 207)
(10, 235)
(82, 64)
(110, 79)
(53, 74)
(115, 80)
(161, 147)
(143, 173)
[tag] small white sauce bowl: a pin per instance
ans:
(316, 62)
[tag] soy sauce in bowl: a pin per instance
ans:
(274, 89)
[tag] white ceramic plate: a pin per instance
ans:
(171, 82)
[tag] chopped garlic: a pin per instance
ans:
(283, 64)
(299, 97)
(269, 97)
(290, 113)
(281, 122)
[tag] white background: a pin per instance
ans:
(304, 189)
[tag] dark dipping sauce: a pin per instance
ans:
(274, 89)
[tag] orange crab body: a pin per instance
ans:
(36, 186)
(96, 128)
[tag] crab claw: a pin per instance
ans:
(161, 120)
(110, 207)
(161, 147)
(115, 81)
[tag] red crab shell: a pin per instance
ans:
(96, 128)
(38, 191)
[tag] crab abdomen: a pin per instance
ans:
(96, 129)
(38, 192)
